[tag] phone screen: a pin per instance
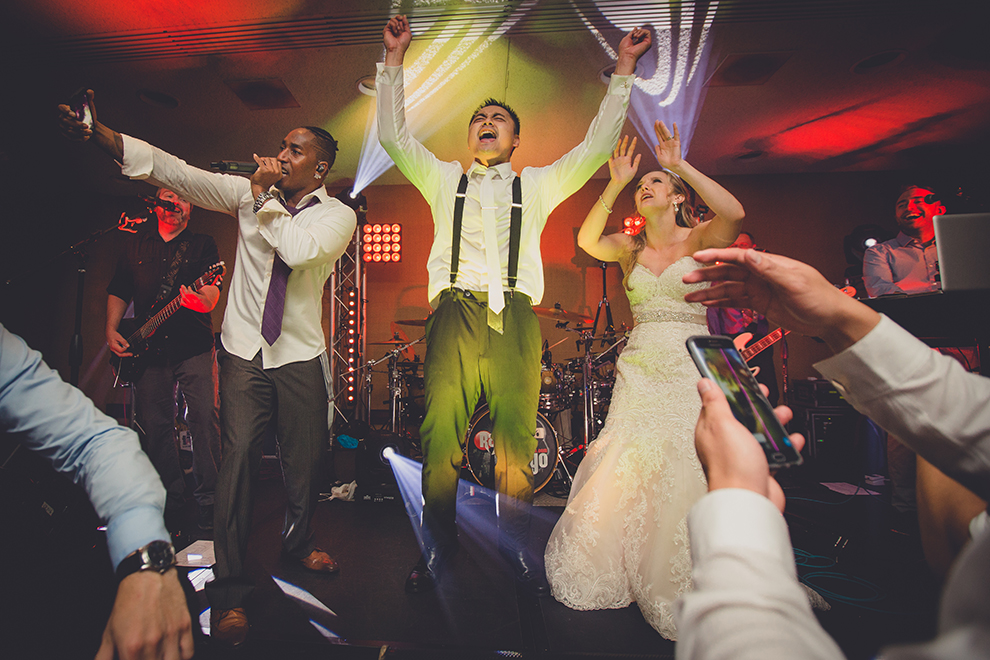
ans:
(718, 360)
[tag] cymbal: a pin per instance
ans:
(419, 322)
(390, 341)
(558, 314)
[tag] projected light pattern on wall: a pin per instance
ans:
(676, 68)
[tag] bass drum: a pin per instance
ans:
(480, 450)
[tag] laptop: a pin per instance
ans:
(963, 244)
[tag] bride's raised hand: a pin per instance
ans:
(623, 165)
(668, 149)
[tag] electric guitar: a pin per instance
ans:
(749, 352)
(127, 370)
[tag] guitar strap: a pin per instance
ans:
(169, 280)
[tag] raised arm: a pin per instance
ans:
(415, 161)
(721, 230)
(105, 138)
(622, 166)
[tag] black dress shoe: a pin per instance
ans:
(528, 574)
(425, 575)
(421, 579)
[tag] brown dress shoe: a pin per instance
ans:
(229, 626)
(320, 562)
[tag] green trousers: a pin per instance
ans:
(463, 354)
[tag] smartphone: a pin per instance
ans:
(80, 106)
(718, 360)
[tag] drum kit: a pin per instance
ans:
(579, 387)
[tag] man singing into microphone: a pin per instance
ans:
(155, 266)
(273, 362)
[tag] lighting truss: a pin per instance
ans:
(347, 286)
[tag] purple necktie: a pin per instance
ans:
(271, 321)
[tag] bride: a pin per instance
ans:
(623, 536)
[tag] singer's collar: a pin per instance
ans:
(502, 170)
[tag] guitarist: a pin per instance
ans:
(733, 322)
(154, 267)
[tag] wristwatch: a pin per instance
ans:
(262, 197)
(156, 556)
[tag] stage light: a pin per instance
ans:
(355, 201)
(382, 242)
(388, 452)
(633, 225)
(862, 238)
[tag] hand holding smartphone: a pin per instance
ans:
(80, 107)
(718, 360)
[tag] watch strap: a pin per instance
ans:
(156, 556)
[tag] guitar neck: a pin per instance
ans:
(155, 321)
(757, 347)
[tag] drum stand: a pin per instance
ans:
(394, 383)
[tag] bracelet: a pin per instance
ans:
(604, 205)
(260, 200)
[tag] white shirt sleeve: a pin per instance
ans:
(211, 190)
(416, 162)
(308, 245)
(926, 399)
(563, 178)
(746, 601)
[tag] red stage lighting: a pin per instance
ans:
(633, 225)
(382, 243)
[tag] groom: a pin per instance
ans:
(485, 273)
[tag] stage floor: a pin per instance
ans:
(873, 576)
(847, 547)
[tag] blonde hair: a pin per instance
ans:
(684, 219)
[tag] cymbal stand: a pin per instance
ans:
(603, 304)
(587, 369)
(394, 389)
(394, 382)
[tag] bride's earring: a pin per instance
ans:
(676, 208)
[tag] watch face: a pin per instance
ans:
(160, 555)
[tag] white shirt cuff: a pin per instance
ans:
(736, 519)
(875, 361)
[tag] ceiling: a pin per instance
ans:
(784, 95)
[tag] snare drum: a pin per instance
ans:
(480, 450)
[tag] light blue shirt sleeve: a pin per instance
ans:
(47, 415)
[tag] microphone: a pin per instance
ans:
(234, 166)
(162, 203)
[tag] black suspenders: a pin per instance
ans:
(515, 230)
(455, 247)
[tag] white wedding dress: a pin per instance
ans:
(623, 536)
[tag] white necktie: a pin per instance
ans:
(496, 299)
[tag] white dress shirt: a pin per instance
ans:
(747, 602)
(309, 243)
(543, 188)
